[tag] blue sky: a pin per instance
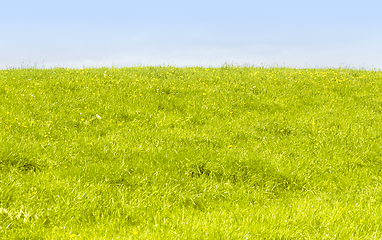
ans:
(191, 33)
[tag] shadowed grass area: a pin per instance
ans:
(197, 153)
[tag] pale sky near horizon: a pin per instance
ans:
(116, 33)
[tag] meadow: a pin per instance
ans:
(190, 153)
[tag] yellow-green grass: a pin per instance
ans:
(190, 153)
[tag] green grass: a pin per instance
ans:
(190, 153)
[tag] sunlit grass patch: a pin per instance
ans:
(165, 152)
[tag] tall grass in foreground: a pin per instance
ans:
(190, 153)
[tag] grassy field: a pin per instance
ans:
(190, 153)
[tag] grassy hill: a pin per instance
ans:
(190, 153)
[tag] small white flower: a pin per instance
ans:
(98, 116)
